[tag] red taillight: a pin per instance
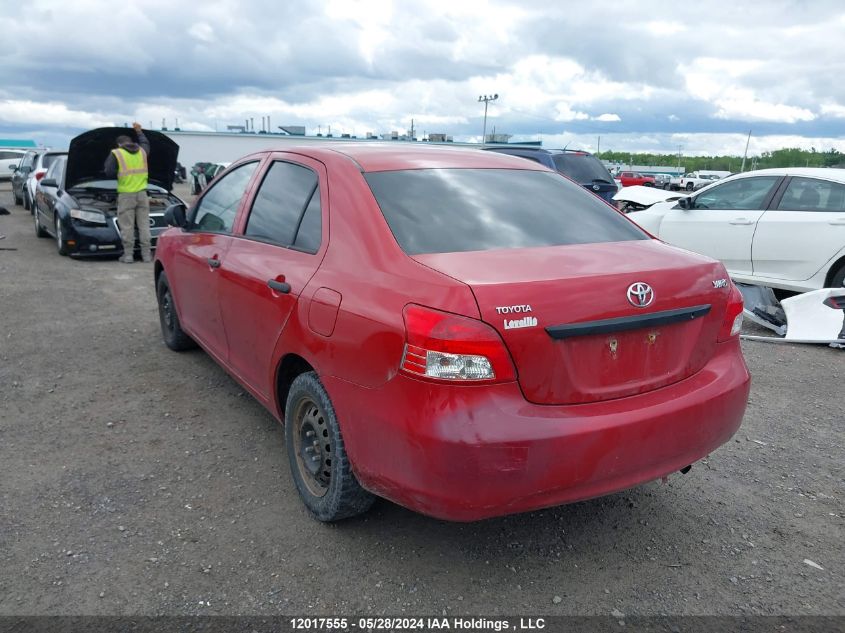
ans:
(39, 175)
(732, 323)
(451, 348)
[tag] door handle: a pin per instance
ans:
(741, 221)
(213, 262)
(838, 222)
(279, 286)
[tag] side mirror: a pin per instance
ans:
(13, 167)
(49, 182)
(685, 203)
(174, 215)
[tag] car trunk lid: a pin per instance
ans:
(573, 334)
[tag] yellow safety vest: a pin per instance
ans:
(132, 172)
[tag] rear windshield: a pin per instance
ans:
(48, 159)
(581, 168)
(455, 210)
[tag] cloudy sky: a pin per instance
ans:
(644, 76)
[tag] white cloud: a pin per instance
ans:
(607, 117)
(50, 113)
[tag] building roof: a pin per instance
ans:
(17, 143)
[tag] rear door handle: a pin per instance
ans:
(213, 262)
(279, 286)
(741, 221)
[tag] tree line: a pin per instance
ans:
(787, 157)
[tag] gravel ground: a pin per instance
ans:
(134, 480)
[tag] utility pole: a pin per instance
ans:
(679, 159)
(412, 129)
(598, 147)
(747, 141)
(486, 99)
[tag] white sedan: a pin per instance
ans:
(783, 228)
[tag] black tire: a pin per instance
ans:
(317, 456)
(171, 330)
(838, 278)
(18, 199)
(690, 186)
(39, 230)
(61, 246)
(26, 202)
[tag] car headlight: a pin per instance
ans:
(95, 217)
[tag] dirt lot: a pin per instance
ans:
(134, 480)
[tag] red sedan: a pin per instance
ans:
(461, 332)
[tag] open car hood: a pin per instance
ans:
(88, 152)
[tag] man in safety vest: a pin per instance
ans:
(128, 162)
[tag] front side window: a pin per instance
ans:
(26, 162)
(217, 209)
(748, 194)
(809, 194)
(582, 168)
(457, 210)
(279, 211)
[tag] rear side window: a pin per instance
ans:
(282, 204)
(809, 194)
(455, 210)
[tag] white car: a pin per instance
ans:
(783, 228)
(9, 159)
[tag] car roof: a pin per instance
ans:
(811, 172)
(373, 157)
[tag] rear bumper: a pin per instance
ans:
(469, 453)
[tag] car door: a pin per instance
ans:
(277, 251)
(201, 251)
(721, 221)
(802, 231)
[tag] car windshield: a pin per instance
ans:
(581, 168)
(457, 210)
(112, 184)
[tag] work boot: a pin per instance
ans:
(127, 259)
(146, 258)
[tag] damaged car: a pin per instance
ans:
(517, 345)
(77, 205)
(783, 228)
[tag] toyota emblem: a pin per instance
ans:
(640, 295)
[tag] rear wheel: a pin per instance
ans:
(26, 202)
(171, 330)
(690, 186)
(317, 455)
(61, 246)
(838, 279)
(39, 231)
(18, 199)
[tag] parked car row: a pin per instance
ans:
(28, 172)
(9, 159)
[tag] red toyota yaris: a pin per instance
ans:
(461, 332)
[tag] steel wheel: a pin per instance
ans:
(314, 448)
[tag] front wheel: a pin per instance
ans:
(61, 246)
(690, 186)
(26, 202)
(317, 455)
(171, 330)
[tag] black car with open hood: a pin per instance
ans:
(88, 152)
(76, 203)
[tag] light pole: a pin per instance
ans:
(486, 99)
